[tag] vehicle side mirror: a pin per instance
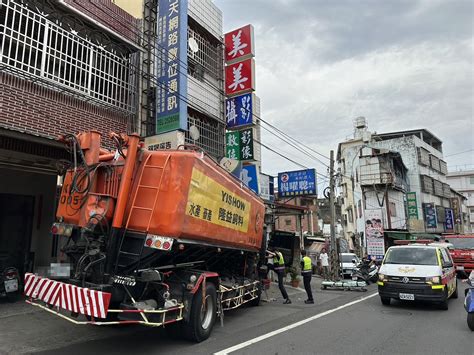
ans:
(354, 261)
(447, 265)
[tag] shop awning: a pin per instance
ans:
(397, 235)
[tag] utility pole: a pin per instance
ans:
(332, 208)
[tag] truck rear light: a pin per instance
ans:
(54, 228)
(158, 242)
(62, 229)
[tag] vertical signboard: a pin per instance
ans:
(455, 206)
(297, 183)
(239, 77)
(430, 215)
(412, 205)
(239, 145)
(449, 224)
(239, 111)
(172, 38)
(249, 177)
(374, 234)
(239, 44)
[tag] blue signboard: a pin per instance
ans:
(239, 111)
(449, 220)
(248, 176)
(430, 215)
(297, 183)
(171, 91)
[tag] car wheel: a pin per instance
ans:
(444, 304)
(470, 321)
(455, 293)
(385, 301)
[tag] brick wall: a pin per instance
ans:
(109, 15)
(30, 108)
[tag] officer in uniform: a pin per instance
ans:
(279, 267)
(307, 273)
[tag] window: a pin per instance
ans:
(350, 215)
(35, 46)
(412, 256)
(471, 180)
(359, 208)
(392, 209)
(287, 222)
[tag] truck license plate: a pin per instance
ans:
(407, 296)
(459, 267)
(11, 285)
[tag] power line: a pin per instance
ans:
(451, 155)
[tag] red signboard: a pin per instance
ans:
(239, 44)
(239, 77)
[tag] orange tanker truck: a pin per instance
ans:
(160, 238)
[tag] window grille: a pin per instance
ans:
(33, 45)
(434, 163)
(208, 58)
(427, 184)
(211, 134)
(423, 156)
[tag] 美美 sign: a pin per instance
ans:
(297, 183)
(172, 27)
(240, 77)
(239, 44)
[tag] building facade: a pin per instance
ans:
(309, 219)
(398, 179)
(65, 67)
(185, 86)
(463, 183)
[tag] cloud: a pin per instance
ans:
(401, 64)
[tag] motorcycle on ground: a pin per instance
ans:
(366, 271)
(469, 303)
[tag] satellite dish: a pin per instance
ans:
(194, 133)
(193, 45)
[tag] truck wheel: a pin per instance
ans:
(255, 302)
(202, 315)
(385, 301)
(470, 321)
(455, 293)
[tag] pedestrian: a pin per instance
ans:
(307, 273)
(279, 268)
(324, 258)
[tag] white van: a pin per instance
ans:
(417, 272)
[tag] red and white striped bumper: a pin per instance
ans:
(69, 297)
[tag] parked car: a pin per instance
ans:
(349, 262)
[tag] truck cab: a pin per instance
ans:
(462, 253)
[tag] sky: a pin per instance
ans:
(322, 63)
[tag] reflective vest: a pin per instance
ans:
(307, 264)
(278, 259)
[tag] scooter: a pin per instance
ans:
(469, 303)
(10, 284)
(365, 271)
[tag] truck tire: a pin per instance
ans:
(470, 321)
(202, 315)
(385, 301)
(255, 302)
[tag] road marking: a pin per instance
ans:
(291, 326)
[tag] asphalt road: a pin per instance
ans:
(362, 327)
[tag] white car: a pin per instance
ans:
(349, 262)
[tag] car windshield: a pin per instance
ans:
(348, 258)
(412, 256)
(462, 243)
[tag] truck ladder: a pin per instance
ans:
(132, 245)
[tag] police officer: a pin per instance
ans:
(279, 267)
(307, 273)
